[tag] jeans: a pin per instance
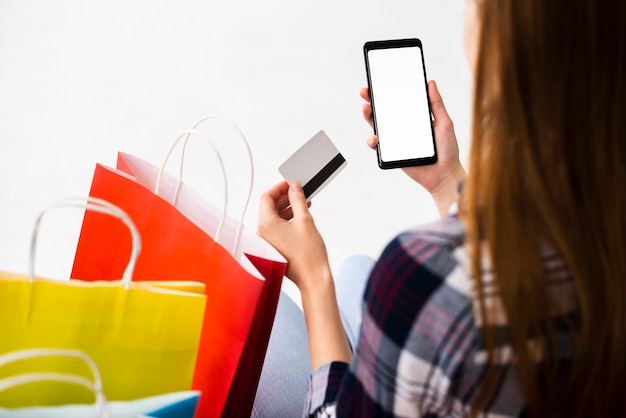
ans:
(287, 367)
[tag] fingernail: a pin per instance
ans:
(295, 186)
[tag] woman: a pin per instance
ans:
(516, 306)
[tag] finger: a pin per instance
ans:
(287, 213)
(436, 103)
(278, 190)
(268, 203)
(364, 92)
(282, 203)
(372, 141)
(367, 113)
(298, 201)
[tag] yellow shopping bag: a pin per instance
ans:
(143, 336)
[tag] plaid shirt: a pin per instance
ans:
(420, 351)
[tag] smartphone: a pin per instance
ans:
(401, 115)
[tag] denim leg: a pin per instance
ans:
(350, 285)
(287, 367)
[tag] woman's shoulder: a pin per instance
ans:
(434, 250)
(448, 233)
(419, 315)
(423, 271)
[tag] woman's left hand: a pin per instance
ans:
(440, 179)
(286, 223)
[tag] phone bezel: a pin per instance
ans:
(390, 44)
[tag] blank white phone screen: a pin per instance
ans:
(400, 102)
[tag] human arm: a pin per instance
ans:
(286, 223)
(404, 284)
(440, 179)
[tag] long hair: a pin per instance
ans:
(548, 163)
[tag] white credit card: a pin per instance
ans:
(313, 165)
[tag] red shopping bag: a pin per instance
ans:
(242, 273)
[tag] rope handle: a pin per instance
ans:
(187, 134)
(25, 378)
(97, 205)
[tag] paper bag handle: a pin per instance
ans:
(97, 205)
(186, 135)
(250, 161)
(21, 379)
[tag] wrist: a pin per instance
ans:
(447, 191)
(316, 283)
(327, 337)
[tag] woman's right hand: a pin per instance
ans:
(286, 223)
(440, 179)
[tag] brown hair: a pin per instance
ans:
(548, 162)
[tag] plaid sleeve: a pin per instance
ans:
(417, 330)
(323, 388)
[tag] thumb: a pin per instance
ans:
(436, 102)
(297, 200)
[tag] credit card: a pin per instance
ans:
(314, 164)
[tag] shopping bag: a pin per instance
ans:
(178, 404)
(242, 272)
(144, 336)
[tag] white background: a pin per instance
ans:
(81, 80)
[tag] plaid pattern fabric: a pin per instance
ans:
(420, 351)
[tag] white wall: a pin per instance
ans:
(80, 80)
